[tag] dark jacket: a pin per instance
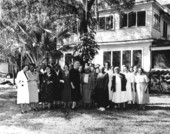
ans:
(123, 83)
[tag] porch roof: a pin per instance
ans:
(160, 44)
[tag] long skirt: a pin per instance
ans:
(23, 95)
(109, 89)
(129, 91)
(86, 93)
(33, 91)
(47, 93)
(102, 97)
(75, 94)
(134, 94)
(66, 93)
(58, 91)
(142, 96)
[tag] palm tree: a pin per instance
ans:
(33, 24)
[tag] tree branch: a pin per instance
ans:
(90, 3)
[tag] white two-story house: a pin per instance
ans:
(140, 36)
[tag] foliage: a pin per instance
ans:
(40, 26)
(84, 10)
(159, 78)
(88, 48)
(36, 26)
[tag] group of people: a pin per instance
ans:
(74, 85)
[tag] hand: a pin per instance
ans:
(62, 81)
(73, 87)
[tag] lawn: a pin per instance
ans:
(155, 120)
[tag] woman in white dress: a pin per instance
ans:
(142, 88)
(133, 83)
(119, 88)
(22, 89)
(128, 84)
(33, 80)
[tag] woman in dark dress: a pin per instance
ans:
(48, 87)
(102, 89)
(41, 72)
(75, 84)
(66, 93)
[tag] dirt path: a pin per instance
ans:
(155, 120)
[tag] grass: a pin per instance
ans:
(155, 120)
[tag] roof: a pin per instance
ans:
(163, 2)
(160, 43)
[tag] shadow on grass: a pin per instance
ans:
(158, 107)
(8, 105)
(9, 95)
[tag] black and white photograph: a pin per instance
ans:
(84, 66)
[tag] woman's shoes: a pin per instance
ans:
(102, 109)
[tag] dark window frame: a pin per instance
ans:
(165, 29)
(127, 22)
(118, 62)
(132, 16)
(124, 20)
(141, 23)
(105, 58)
(105, 28)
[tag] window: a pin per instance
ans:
(165, 29)
(116, 58)
(109, 22)
(160, 59)
(127, 58)
(156, 21)
(132, 19)
(141, 18)
(123, 20)
(102, 23)
(106, 23)
(107, 57)
(137, 58)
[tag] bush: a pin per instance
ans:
(159, 81)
